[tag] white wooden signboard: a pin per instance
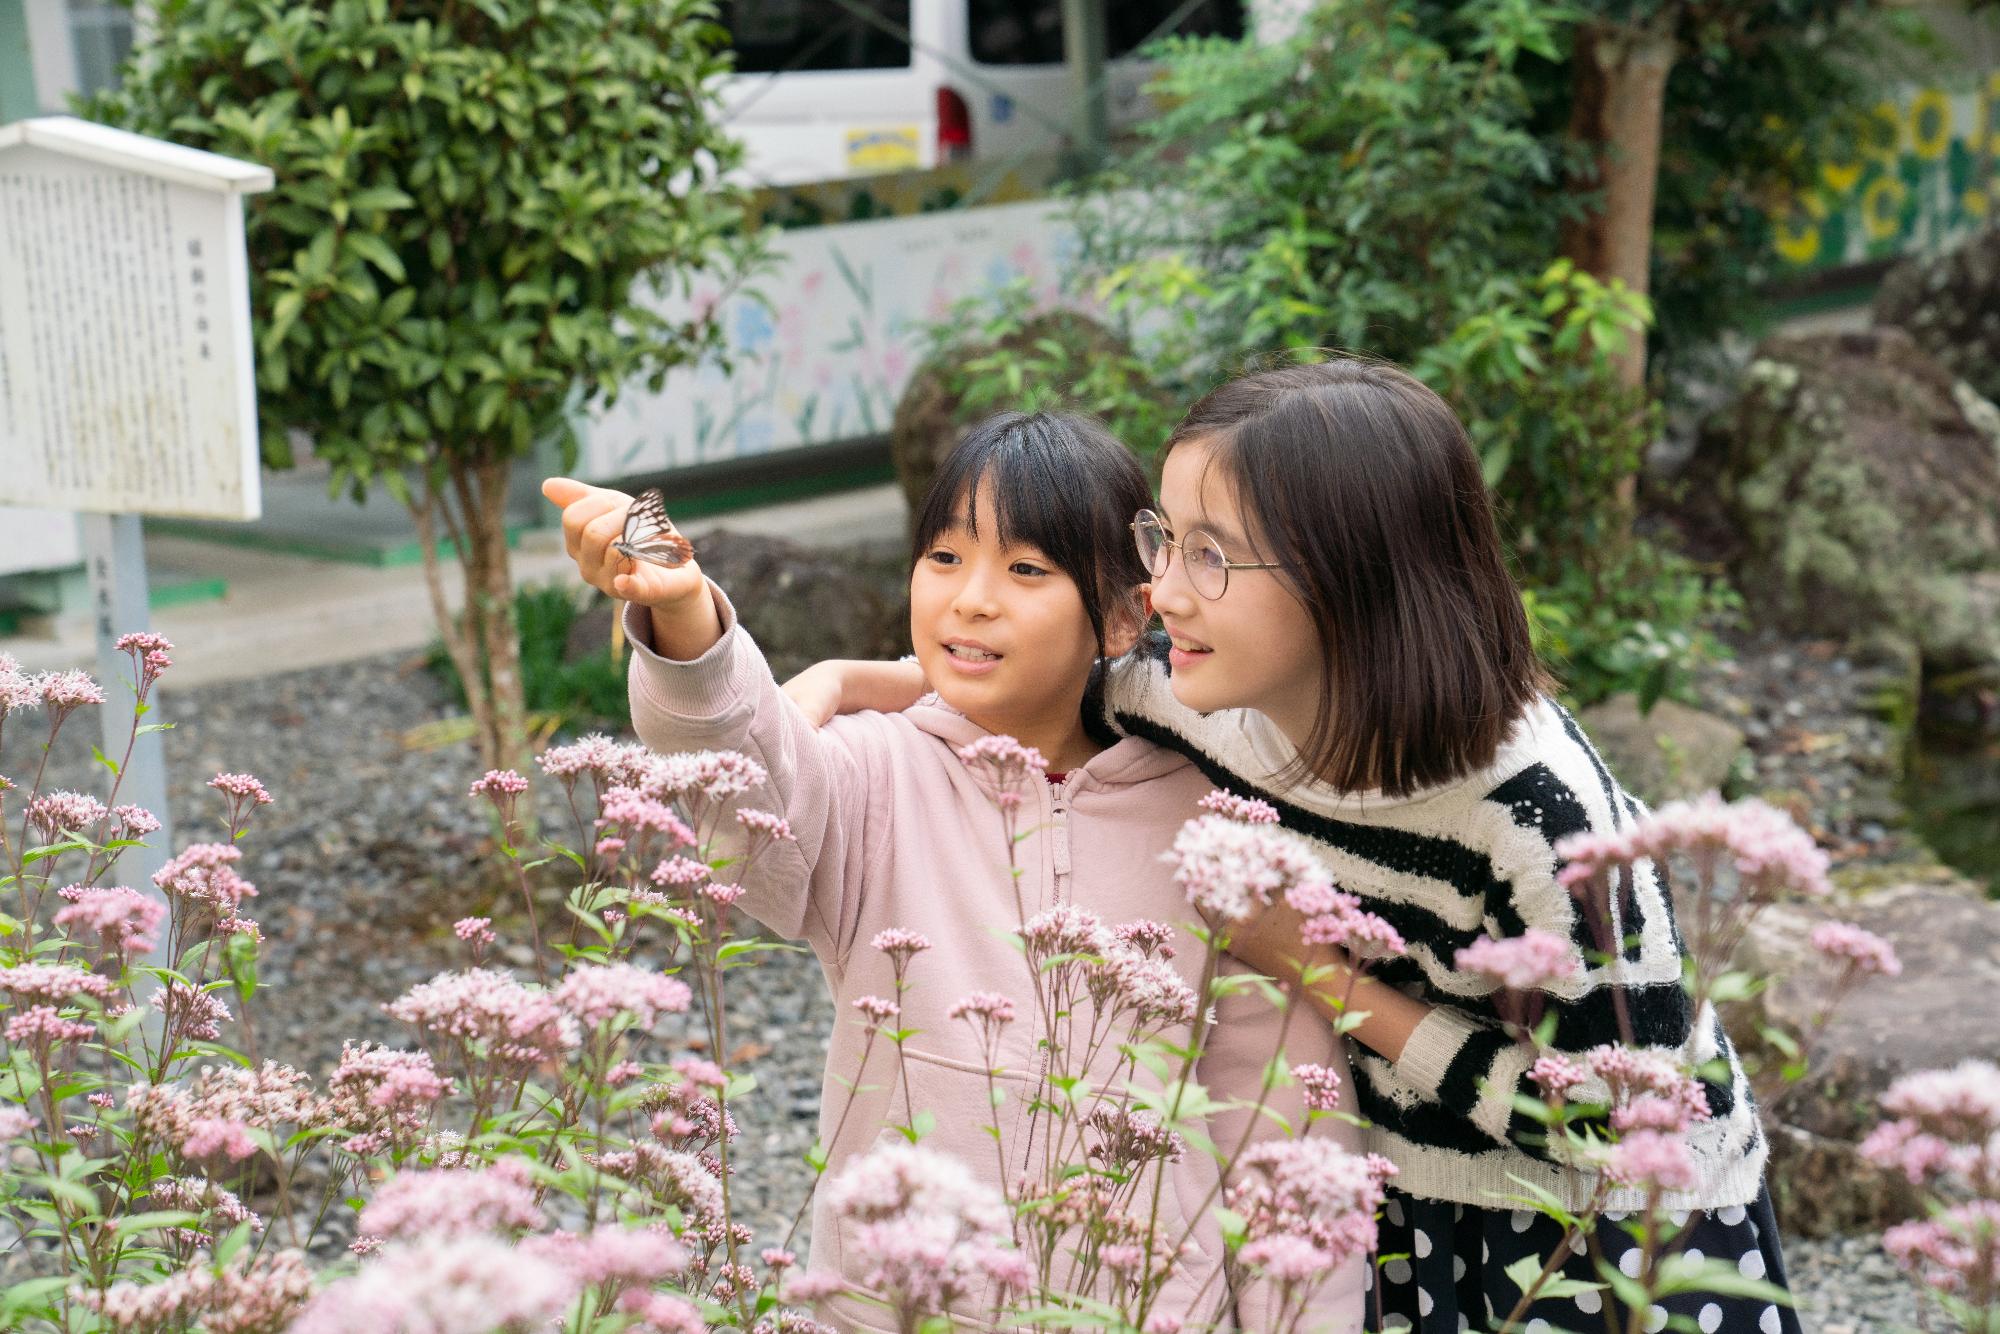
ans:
(126, 384)
(125, 368)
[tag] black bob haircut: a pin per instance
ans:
(1060, 483)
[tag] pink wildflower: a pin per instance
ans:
(489, 1014)
(814, 1285)
(775, 1258)
(1955, 1252)
(1652, 1160)
(214, 1136)
(53, 983)
(701, 1073)
(662, 1313)
(18, 690)
(1147, 937)
(56, 813)
(1229, 870)
(135, 821)
(765, 827)
(260, 1296)
(40, 1028)
(1063, 930)
(453, 1203)
(1631, 1072)
(124, 921)
(680, 872)
(1245, 810)
(721, 895)
(924, 1230)
(382, 1097)
(983, 1006)
(144, 1307)
(1287, 1258)
(1855, 948)
(1533, 961)
(15, 1123)
(191, 1012)
(1311, 1189)
(623, 1073)
(64, 692)
(1321, 1085)
(898, 943)
(1557, 1075)
(599, 993)
(204, 876)
(499, 784)
(445, 1285)
(1150, 988)
(241, 787)
(635, 815)
(615, 1255)
(1765, 848)
(878, 1010)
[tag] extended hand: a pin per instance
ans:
(592, 519)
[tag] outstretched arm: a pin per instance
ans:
(845, 685)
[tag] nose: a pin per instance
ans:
(1173, 595)
(977, 596)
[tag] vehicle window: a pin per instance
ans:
(1030, 32)
(774, 36)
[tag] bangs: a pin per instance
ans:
(1059, 483)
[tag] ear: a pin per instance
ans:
(1125, 621)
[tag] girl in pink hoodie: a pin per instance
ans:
(1024, 579)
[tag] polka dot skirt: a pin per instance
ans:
(1452, 1274)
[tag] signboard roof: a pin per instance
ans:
(111, 147)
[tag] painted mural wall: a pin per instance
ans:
(1931, 182)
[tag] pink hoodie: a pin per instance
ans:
(893, 829)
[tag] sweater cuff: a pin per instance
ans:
(699, 689)
(1432, 1044)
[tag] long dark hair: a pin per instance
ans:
(1361, 483)
(1062, 484)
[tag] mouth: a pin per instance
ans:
(971, 657)
(1186, 651)
(971, 651)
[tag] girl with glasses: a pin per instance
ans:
(1342, 639)
(1023, 580)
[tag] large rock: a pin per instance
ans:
(1671, 752)
(801, 603)
(1859, 482)
(1937, 1013)
(1950, 304)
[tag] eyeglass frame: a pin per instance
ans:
(1168, 543)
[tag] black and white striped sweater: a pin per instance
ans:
(1447, 865)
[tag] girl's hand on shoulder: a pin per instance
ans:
(593, 517)
(816, 691)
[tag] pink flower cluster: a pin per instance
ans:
(925, 1231)
(1321, 1086)
(495, 1018)
(150, 656)
(1765, 848)
(125, 922)
(383, 1098)
(1946, 1127)
(53, 983)
(611, 1256)
(1010, 769)
(444, 1283)
(1248, 810)
(64, 692)
(241, 789)
(985, 1007)
(1652, 1159)
(1308, 1206)
(17, 689)
(54, 814)
(1533, 961)
(204, 876)
(454, 1203)
(191, 1011)
(673, 1176)
(1855, 949)
(598, 993)
(1229, 869)
(260, 1296)
(899, 944)
(1955, 1252)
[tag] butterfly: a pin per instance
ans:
(649, 534)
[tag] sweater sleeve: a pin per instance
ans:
(829, 784)
(1251, 1033)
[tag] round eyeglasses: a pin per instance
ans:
(1207, 567)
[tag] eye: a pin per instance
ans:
(941, 557)
(1027, 569)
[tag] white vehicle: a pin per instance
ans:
(827, 89)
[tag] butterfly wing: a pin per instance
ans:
(649, 534)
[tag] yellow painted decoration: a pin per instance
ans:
(1974, 202)
(1882, 208)
(1841, 177)
(1930, 124)
(1798, 244)
(892, 148)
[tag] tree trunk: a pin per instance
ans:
(483, 638)
(501, 634)
(1620, 95)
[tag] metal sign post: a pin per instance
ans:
(118, 598)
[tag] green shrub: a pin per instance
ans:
(561, 693)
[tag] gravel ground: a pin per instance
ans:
(372, 850)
